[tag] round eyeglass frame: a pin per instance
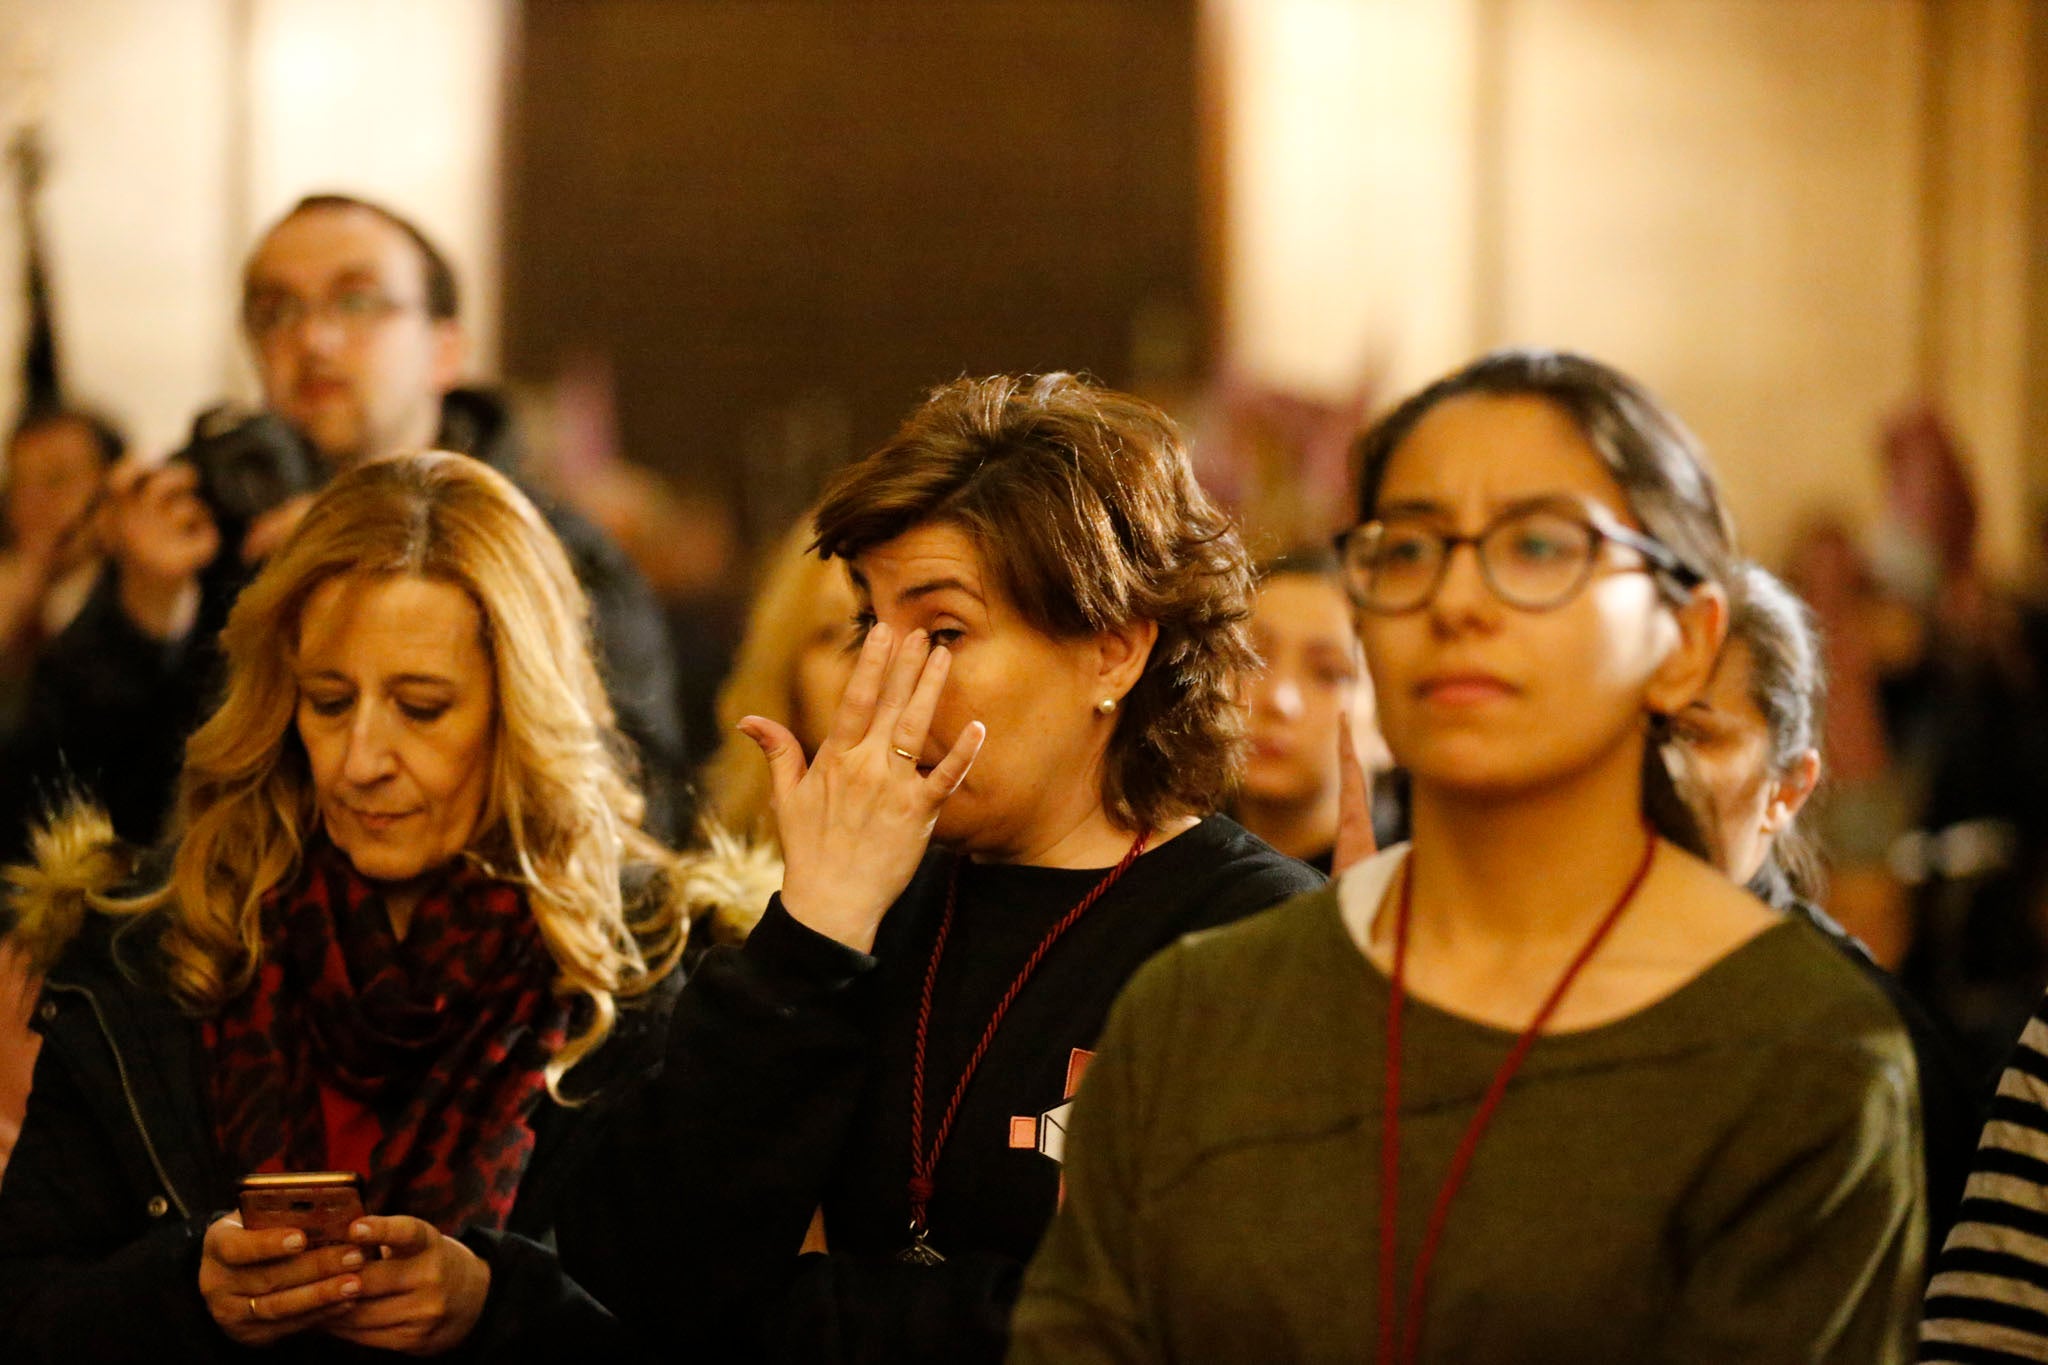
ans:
(1600, 525)
(272, 313)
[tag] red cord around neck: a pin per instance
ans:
(1410, 1339)
(924, 1162)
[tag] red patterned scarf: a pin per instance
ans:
(441, 1036)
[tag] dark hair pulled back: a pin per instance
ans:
(1788, 687)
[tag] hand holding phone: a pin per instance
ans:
(285, 1262)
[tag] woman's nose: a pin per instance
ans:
(1463, 591)
(369, 756)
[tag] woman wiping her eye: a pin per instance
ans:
(1542, 1084)
(1013, 808)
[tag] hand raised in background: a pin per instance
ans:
(1355, 839)
(160, 535)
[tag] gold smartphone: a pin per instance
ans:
(319, 1203)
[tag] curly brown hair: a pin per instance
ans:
(1084, 506)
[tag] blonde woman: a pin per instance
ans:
(389, 937)
(792, 665)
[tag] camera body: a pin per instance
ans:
(248, 463)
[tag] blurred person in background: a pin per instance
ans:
(351, 315)
(1011, 810)
(1865, 635)
(55, 471)
(793, 662)
(1751, 740)
(684, 543)
(1541, 1084)
(1311, 680)
(407, 926)
(57, 464)
(1939, 734)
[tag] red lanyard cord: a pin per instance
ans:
(1461, 1159)
(924, 1163)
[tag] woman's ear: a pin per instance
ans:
(1702, 625)
(1122, 654)
(1789, 792)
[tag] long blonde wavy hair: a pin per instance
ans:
(562, 815)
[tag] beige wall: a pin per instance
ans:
(177, 128)
(1789, 218)
(1349, 216)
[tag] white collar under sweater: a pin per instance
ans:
(1362, 887)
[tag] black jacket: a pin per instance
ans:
(786, 1090)
(108, 1195)
(110, 707)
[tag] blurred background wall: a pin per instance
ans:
(734, 238)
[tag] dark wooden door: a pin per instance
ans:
(782, 220)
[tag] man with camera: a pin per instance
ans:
(351, 317)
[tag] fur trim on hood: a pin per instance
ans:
(76, 862)
(727, 881)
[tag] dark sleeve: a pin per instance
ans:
(708, 1177)
(107, 713)
(866, 1310)
(1805, 1239)
(536, 1312)
(80, 1277)
(639, 666)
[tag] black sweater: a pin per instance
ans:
(788, 1088)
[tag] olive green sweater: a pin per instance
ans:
(1730, 1174)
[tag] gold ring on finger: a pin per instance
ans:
(253, 1314)
(902, 752)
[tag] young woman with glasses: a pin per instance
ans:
(1541, 1084)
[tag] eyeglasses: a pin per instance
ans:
(271, 313)
(1535, 557)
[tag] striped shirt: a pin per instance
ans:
(1988, 1301)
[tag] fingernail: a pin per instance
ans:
(359, 1229)
(350, 1288)
(295, 1241)
(352, 1259)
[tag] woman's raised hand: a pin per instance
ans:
(264, 1286)
(855, 822)
(1355, 838)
